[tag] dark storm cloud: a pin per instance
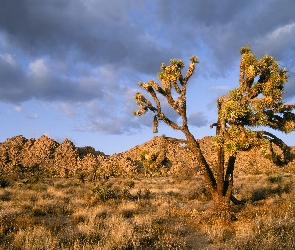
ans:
(197, 119)
(41, 83)
(98, 32)
(94, 33)
(77, 51)
(290, 88)
(226, 26)
(12, 79)
(140, 37)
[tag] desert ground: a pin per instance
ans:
(166, 207)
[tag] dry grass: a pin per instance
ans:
(146, 213)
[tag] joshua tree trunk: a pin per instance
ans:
(206, 170)
(221, 185)
(223, 194)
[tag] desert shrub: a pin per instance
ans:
(38, 212)
(5, 195)
(125, 193)
(4, 182)
(154, 163)
(259, 194)
(267, 235)
(79, 218)
(262, 193)
(7, 223)
(142, 194)
(107, 170)
(27, 175)
(82, 177)
(288, 187)
(128, 213)
(104, 193)
(200, 193)
(129, 183)
(274, 179)
(34, 239)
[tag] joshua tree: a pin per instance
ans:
(255, 103)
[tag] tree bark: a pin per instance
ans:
(196, 149)
(220, 171)
(221, 186)
(221, 206)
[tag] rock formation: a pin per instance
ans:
(170, 156)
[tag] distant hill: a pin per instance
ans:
(65, 159)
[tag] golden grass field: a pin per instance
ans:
(140, 212)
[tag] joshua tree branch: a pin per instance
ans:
(288, 155)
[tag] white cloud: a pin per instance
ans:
(278, 42)
(220, 88)
(66, 109)
(18, 109)
(9, 59)
(33, 116)
(39, 68)
(283, 32)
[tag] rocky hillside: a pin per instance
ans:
(46, 154)
(181, 158)
(160, 155)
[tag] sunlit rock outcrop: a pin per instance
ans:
(161, 155)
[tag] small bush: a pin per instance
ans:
(275, 179)
(129, 183)
(4, 182)
(201, 194)
(5, 195)
(125, 194)
(259, 194)
(39, 212)
(104, 193)
(264, 192)
(82, 177)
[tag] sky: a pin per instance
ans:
(70, 69)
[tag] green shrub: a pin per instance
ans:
(104, 193)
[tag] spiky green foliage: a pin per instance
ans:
(257, 102)
(171, 78)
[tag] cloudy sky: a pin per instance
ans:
(69, 69)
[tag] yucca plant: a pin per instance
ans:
(256, 102)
